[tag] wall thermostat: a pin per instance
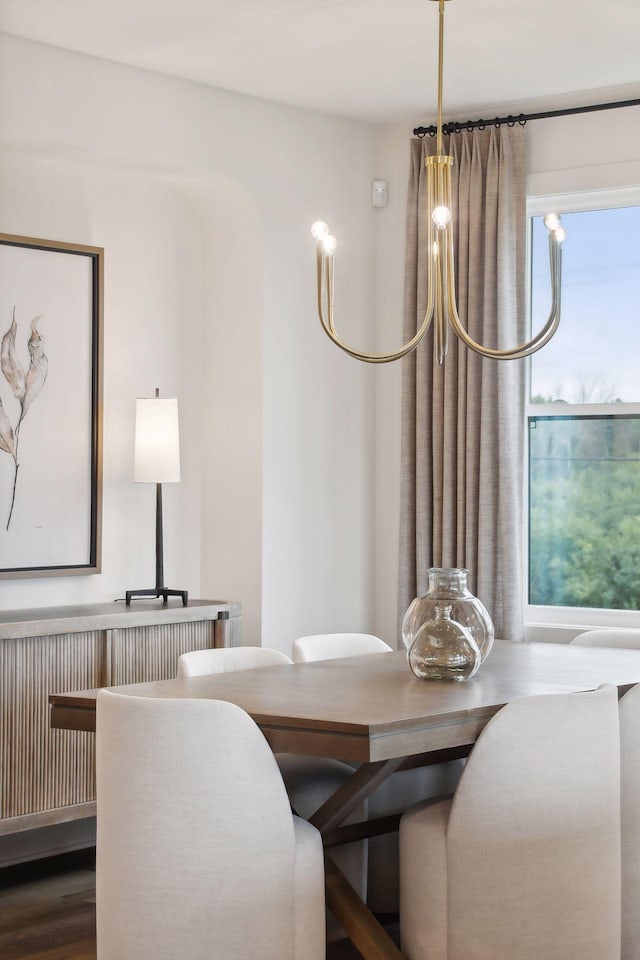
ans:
(379, 193)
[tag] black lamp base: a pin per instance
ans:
(162, 592)
(159, 590)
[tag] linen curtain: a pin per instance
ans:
(462, 460)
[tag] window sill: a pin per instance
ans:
(562, 624)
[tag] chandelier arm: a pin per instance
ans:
(440, 330)
(325, 278)
(330, 268)
(320, 270)
(530, 346)
(445, 305)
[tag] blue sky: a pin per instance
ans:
(595, 355)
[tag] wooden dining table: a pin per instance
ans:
(372, 710)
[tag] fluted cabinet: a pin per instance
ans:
(47, 776)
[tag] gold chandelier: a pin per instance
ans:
(441, 299)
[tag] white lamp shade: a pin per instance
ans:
(157, 443)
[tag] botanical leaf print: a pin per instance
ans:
(7, 439)
(25, 388)
(11, 366)
(37, 372)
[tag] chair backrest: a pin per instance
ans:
(534, 833)
(331, 646)
(630, 807)
(195, 838)
(200, 663)
(624, 637)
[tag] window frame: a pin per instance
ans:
(553, 623)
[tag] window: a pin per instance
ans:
(584, 420)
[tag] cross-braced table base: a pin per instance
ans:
(361, 926)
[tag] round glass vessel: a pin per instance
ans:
(450, 585)
(443, 649)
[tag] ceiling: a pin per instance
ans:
(367, 59)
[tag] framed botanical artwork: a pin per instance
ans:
(51, 306)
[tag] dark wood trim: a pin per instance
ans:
(437, 756)
(363, 830)
(351, 794)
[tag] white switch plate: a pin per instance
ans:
(379, 193)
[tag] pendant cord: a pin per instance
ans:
(440, 58)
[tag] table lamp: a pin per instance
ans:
(157, 460)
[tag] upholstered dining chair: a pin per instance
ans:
(630, 787)
(609, 637)
(198, 854)
(331, 646)
(309, 780)
(399, 791)
(200, 663)
(630, 811)
(524, 862)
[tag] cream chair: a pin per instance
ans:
(331, 646)
(198, 854)
(630, 808)
(309, 780)
(524, 862)
(623, 637)
(199, 663)
(398, 791)
(630, 788)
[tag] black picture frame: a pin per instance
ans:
(51, 383)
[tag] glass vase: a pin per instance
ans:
(450, 585)
(443, 649)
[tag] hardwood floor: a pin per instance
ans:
(47, 911)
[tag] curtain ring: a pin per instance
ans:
(481, 125)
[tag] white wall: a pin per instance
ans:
(203, 200)
(571, 154)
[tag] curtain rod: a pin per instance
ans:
(522, 118)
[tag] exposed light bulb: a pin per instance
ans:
(441, 216)
(560, 234)
(329, 243)
(319, 230)
(552, 221)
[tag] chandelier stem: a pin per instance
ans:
(440, 63)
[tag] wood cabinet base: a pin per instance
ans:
(47, 776)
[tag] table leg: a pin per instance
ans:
(368, 935)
